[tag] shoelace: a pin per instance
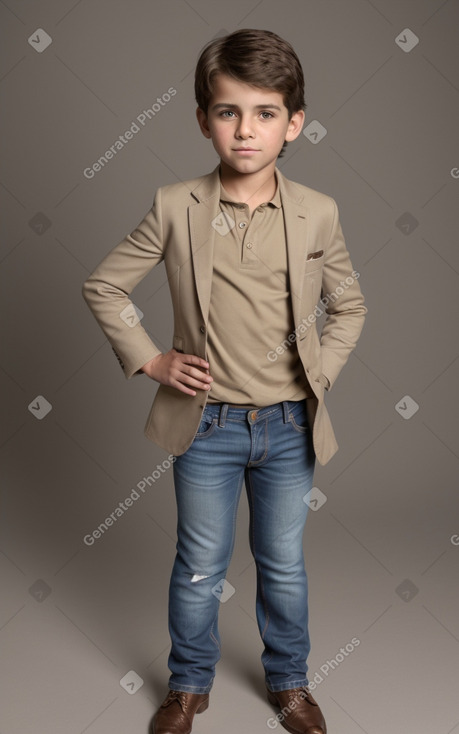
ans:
(180, 696)
(294, 693)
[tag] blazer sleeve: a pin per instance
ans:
(107, 290)
(343, 301)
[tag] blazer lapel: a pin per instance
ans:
(297, 240)
(202, 235)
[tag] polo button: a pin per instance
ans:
(249, 245)
(242, 225)
(202, 329)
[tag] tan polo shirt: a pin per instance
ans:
(250, 310)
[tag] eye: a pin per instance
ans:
(226, 112)
(267, 113)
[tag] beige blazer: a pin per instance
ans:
(178, 229)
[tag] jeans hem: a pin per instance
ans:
(190, 689)
(278, 687)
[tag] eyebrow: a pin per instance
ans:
(257, 107)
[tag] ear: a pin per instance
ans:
(295, 126)
(203, 124)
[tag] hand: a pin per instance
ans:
(179, 370)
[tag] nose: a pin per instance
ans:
(244, 129)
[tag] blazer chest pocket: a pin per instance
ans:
(313, 276)
(314, 261)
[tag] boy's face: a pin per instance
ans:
(241, 116)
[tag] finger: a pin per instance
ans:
(194, 360)
(182, 388)
(193, 382)
(204, 376)
(186, 371)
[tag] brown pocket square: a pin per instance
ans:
(315, 255)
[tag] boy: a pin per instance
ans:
(248, 254)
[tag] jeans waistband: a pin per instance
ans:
(253, 412)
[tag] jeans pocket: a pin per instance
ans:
(299, 419)
(206, 426)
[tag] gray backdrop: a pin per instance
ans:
(83, 628)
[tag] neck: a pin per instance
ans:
(249, 187)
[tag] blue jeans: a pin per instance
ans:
(271, 448)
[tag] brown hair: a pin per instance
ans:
(256, 57)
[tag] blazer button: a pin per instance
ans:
(202, 329)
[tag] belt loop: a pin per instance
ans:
(222, 416)
(285, 410)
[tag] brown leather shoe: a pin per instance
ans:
(175, 715)
(299, 712)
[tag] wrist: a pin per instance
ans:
(151, 363)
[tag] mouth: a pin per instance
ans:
(246, 150)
